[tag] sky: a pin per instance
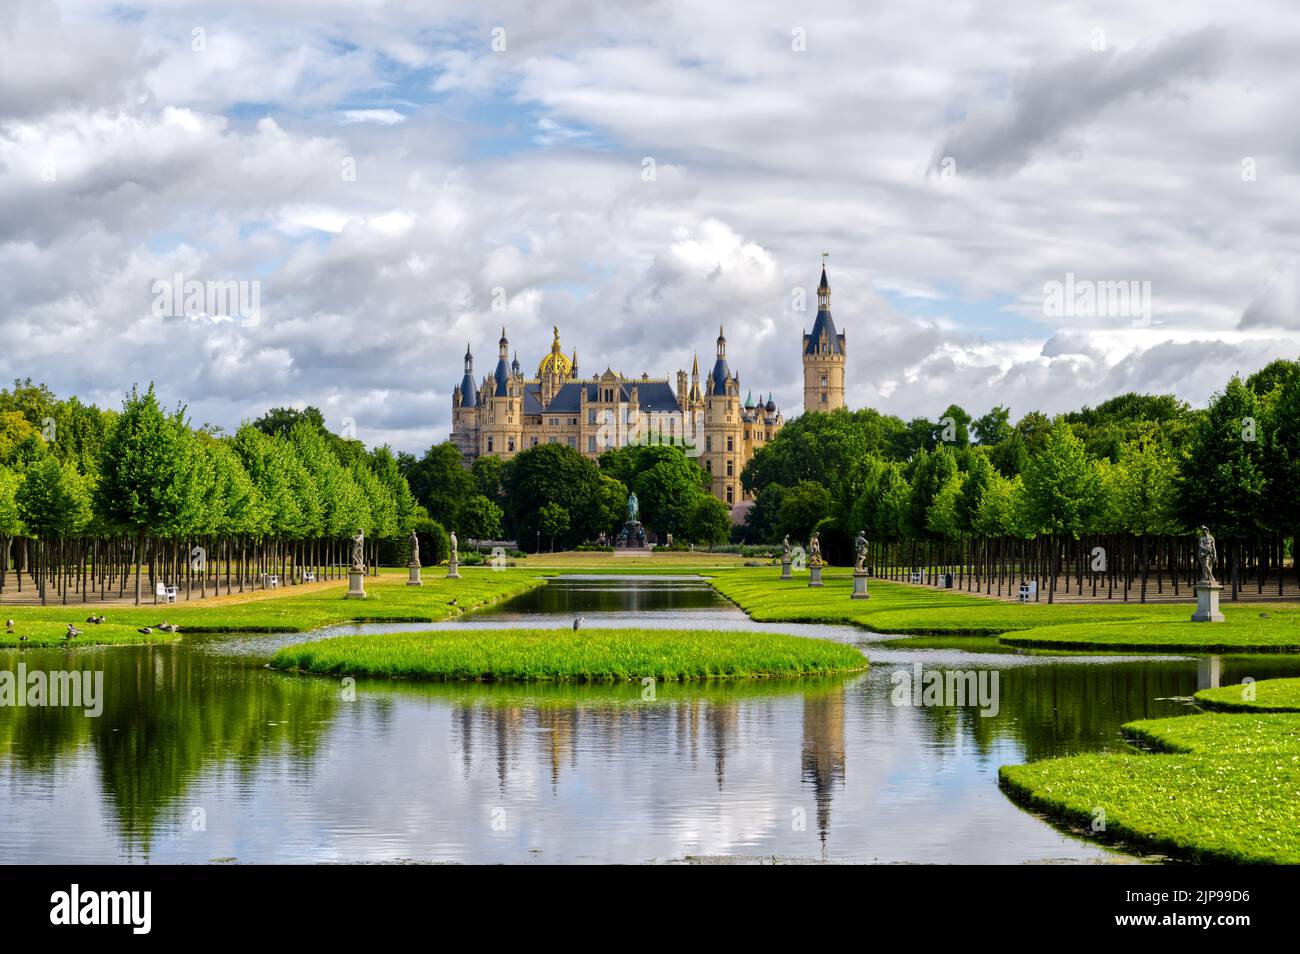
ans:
(387, 182)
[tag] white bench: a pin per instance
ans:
(1028, 591)
(270, 581)
(917, 577)
(165, 593)
(309, 577)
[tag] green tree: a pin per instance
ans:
(1061, 484)
(553, 473)
(553, 520)
(994, 427)
(1222, 477)
(802, 508)
(480, 518)
(710, 522)
(53, 500)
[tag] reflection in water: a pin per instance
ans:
(287, 768)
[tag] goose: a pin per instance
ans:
(72, 632)
(9, 626)
(145, 629)
(577, 623)
(95, 618)
(452, 601)
(22, 639)
(169, 627)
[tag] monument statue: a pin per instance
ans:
(633, 508)
(455, 553)
(785, 549)
(1206, 555)
(815, 550)
(359, 552)
(860, 552)
(415, 549)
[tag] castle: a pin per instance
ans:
(506, 413)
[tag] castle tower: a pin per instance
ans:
(501, 422)
(464, 412)
(823, 357)
(723, 450)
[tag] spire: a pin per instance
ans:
(514, 365)
(574, 370)
(468, 395)
(695, 367)
(502, 372)
(824, 293)
(722, 343)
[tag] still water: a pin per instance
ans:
(202, 754)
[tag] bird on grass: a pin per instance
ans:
(453, 601)
(72, 632)
(94, 618)
(145, 629)
(9, 626)
(577, 623)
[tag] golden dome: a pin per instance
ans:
(555, 362)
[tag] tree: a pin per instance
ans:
(554, 473)
(953, 427)
(480, 518)
(710, 522)
(669, 492)
(1222, 480)
(802, 508)
(144, 484)
(994, 427)
(53, 500)
(553, 520)
(488, 472)
(1145, 488)
(1061, 485)
(440, 482)
(279, 421)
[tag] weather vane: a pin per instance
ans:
(824, 257)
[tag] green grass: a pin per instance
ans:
(1223, 788)
(287, 609)
(925, 611)
(1270, 695)
(594, 655)
(44, 635)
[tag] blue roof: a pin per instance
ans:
(468, 396)
(719, 376)
(652, 396)
(822, 323)
(502, 375)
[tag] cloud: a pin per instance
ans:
(1278, 305)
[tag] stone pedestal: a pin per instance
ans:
(815, 576)
(414, 579)
(453, 570)
(356, 585)
(1207, 603)
(860, 586)
(785, 570)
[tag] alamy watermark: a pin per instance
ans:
(229, 300)
(946, 687)
(1085, 298)
(74, 689)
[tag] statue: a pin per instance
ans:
(860, 552)
(785, 549)
(359, 552)
(815, 550)
(633, 507)
(415, 549)
(455, 553)
(1206, 555)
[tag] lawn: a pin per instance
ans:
(594, 655)
(287, 609)
(1222, 788)
(914, 610)
(1270, 695)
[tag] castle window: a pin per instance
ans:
(573, 421)
(534, 442)
(510, 445)
(555, 422)
(591, 444)
(553, 439)
(823, 380)
(708, 443)
(731, 443)
(591, 415)
(823, 397)
(708, 465)
(730, 468)
(489, 445)
(731, 495)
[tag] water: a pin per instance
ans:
(203, 754)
